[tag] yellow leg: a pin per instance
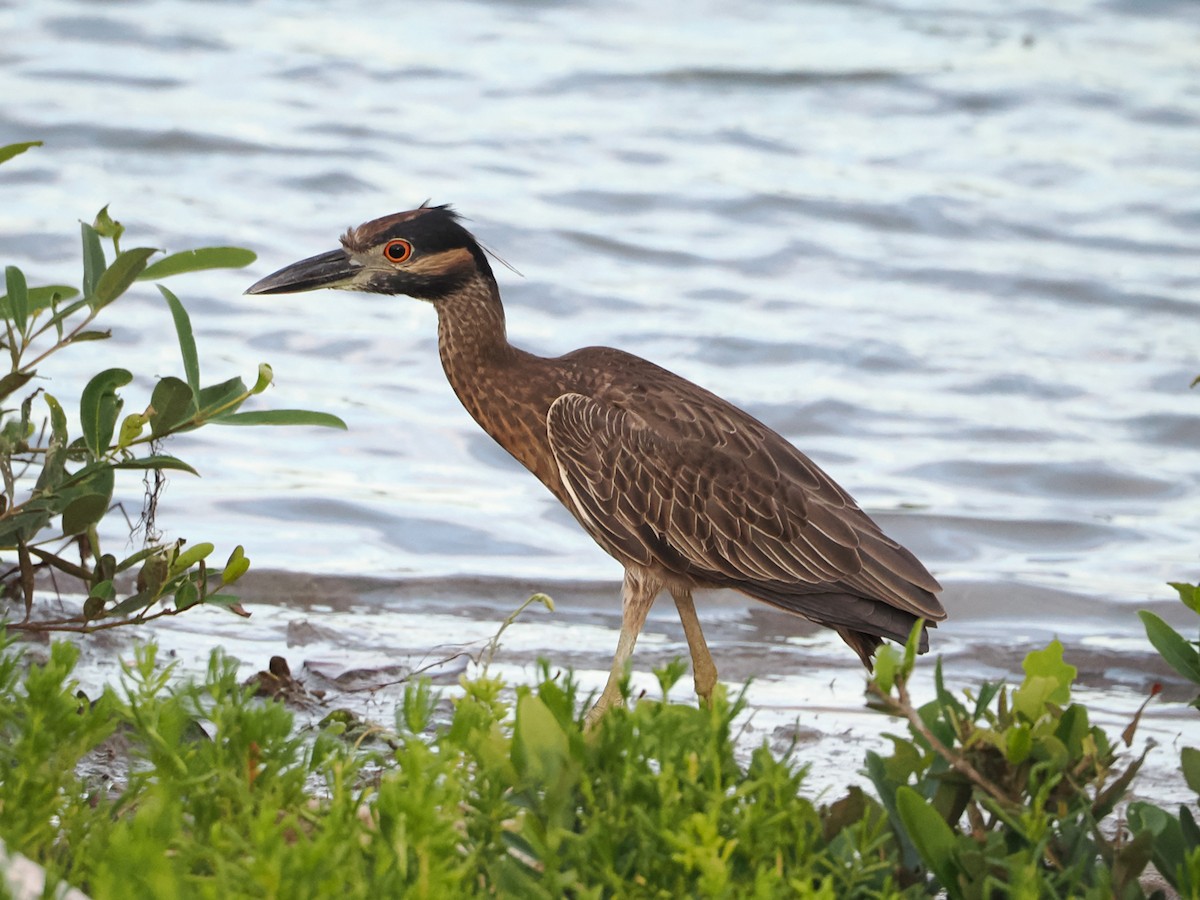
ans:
(639, 592)
(704, 671)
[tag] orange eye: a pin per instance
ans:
(397, 250)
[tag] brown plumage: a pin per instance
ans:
(682, 488)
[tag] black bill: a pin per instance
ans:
(329, 270)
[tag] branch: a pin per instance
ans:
(957, 762)
(76, 625)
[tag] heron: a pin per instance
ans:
(684, 489)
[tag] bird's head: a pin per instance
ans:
(424, 253)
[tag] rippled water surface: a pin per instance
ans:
(951, 251)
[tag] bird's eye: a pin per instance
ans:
(397, 250)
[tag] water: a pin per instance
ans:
(949, 250)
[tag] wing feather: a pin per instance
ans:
(686, 481)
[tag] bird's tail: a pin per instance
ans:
(863, 623)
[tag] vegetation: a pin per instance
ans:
(1174, 841)
(1000, 791)
(58, 486)
(997, 793)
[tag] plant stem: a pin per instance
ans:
(76, 626)
(904, 705)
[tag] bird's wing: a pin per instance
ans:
(701, 487)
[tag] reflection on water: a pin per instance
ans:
(950, 251)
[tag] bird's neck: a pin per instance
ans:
(506, 390)
(471, 330)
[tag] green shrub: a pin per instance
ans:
(1175, 840)
(508, 798)
(58, 483)
(1006, 792)
(999, 793)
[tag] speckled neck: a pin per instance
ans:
(506, 390)
(471, 330)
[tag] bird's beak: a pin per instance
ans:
(329, 270)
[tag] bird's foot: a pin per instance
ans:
(705, 679)
(607, 701)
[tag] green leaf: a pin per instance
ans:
(282, 417)
(120, 275)
(46, 294)
(9, 151)
(229, 602)
(1073, 729)
(1116, 790)
(191, 556)
(949, 703)
(1169, 844)
(987, 693)
(1189, 762)
(24, 525)
(93, 608)
(1188, 593)
(187, 341)
(39, 298)
(107, 226)
(1179, 654)
(196, 260)
(186, 596)
(265, 376)
(83, 498)
(1047, 680)
(99, 407)
(137, 602)
(539, 748)
(156, 462)
(236, 567)
(1031, 698)
(1131, 858)
(54, 469)
(887, 660)
(93, 259)
(96, 478)
(153, 574)
(223, 398)
(171, 404)
(131, 429)
(84, 511)
(1188, 826)
(1018, 743)
(58, 421)
(18, 296)
(14, 381)
(92, 472)
(910, 649)
(931, 836)
(130, 562)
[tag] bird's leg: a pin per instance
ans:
(704, 671)
(639, 591)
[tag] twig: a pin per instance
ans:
(488, 653)
(956, 762)
(75, 626)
